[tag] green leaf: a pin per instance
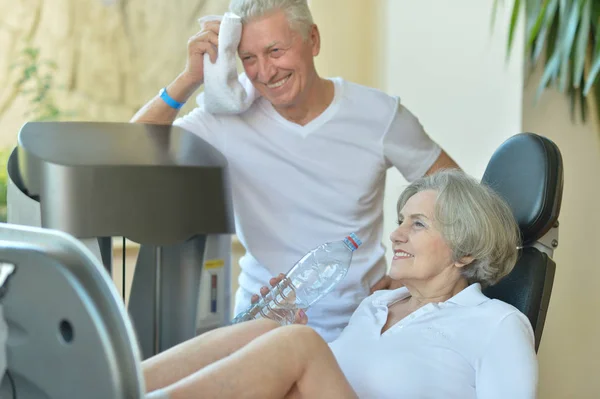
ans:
(31, 52)
(535, 17)
(51, 64)
(595, 20)
(595, 63)
(30, 71)
(548, 28)
(572, 100)
(582, 41)
(495, 12)
(567, 39)
(592, 75)
(513, 23)
(552, 36)
(550, 72)
(596, 104)
(583, 102)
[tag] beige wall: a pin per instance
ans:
(570, 350)
(349, 38)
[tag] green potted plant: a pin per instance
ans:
(563, 35)
(36, 84)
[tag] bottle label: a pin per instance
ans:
(352, 241)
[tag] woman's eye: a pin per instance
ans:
(419, 224)
(400, 221)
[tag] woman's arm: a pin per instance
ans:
(250, 360)
(509, 367)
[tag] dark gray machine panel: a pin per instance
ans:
(100, 179)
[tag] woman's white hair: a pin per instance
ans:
(296, 11)
(475, 221)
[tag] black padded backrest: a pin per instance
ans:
(528, 288)
(527, 171)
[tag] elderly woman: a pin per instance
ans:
(436, 337)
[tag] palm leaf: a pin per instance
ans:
(569, 33)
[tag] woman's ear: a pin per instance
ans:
(464, 261)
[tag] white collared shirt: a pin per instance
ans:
(467, 347)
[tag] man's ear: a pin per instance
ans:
(314, 36)
(464, 261)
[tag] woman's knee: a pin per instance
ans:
(266, 324)
(305, 340)
(307, 334)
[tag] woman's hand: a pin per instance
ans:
(301, 317)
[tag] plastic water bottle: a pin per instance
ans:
(309, 280)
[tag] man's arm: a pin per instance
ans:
(157, 111)
(443, 161)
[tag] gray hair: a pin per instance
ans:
(475, 221)
(296, 11)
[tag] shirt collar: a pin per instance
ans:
(470, 296)
(392, 296)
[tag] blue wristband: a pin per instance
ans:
(170, 102)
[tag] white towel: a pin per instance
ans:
(224, 91)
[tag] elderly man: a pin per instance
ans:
(308, 158)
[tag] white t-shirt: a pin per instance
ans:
(467, 347)
(296, 187)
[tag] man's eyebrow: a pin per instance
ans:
(271, 45)
(267, 48)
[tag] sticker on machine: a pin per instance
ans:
(214, 264)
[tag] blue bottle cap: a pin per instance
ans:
(353, 241)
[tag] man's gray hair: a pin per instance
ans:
(296, 11)
(475, 221)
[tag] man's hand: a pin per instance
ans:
(386, 283)
(301, 317)
(205, 41)
(443, 161)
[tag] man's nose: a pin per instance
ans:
(266, 71)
